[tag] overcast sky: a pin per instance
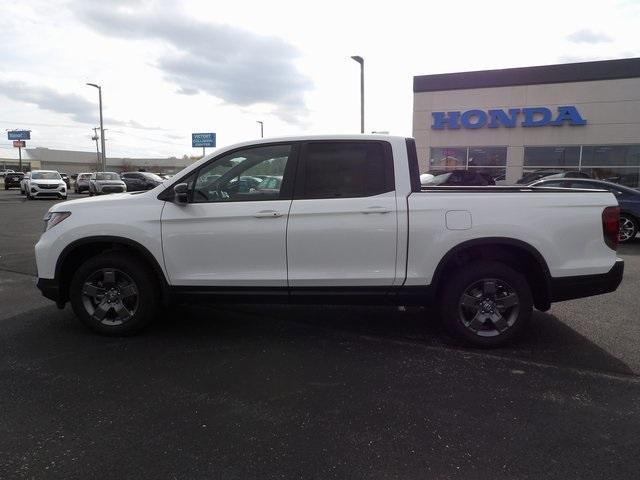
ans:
(169, 68)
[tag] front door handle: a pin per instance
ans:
(376, 210)
(268, 214)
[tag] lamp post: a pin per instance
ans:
(360, 60)
(104, 153)
(261, 128)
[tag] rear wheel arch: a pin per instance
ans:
(516, 254)
(81, 250)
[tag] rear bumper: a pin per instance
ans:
(567, 288)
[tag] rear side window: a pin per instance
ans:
(348, 169)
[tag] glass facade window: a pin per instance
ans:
(611, 155)
(488, 161)
(487, 157)
(447, 159)
(552, 156)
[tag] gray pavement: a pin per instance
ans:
(310, 392)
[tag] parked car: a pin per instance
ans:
(82, 182)
(426, 178)
(4, 171)
(628, 199)
(350, 223)
(137, 181)
(66, 179)
(43, 183)
(531, 177)
(460, 178)
(12, 180)
(105, 182)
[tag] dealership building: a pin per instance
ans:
(578, 116)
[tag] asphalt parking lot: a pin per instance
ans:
(311, 392)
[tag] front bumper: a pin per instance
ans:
(55, 191)
(568, 288)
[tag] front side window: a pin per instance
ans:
(238, 176)
(345, 170)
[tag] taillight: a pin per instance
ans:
(611, 226)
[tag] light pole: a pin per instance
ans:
(261, 128)
(360, 60)
(104, 153)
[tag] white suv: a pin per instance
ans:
(44, 183)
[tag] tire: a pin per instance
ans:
(478, 304)
(97, 296)
(5, 187)
(628, 228)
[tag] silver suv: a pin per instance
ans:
(105, 182)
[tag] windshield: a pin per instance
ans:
(107, 176)
(45, 176)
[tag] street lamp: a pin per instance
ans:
(104, 153)
(360, 60)
(261, 128)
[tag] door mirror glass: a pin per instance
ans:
(181, 193)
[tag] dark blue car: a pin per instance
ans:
(628, 199)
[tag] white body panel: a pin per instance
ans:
(226, 243)
(343, 241)
(566, 228)
(132, 216)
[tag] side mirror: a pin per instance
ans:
(181, 193)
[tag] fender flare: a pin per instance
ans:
(541, 303)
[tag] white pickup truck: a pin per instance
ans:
(329, 219)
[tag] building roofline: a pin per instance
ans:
(538, 75)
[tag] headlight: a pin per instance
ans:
(51, 219)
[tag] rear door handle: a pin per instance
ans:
(267, 214)
(376, 210)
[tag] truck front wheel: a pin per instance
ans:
(114, 294)
(487, 304)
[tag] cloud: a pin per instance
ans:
(240, 67)
(78, 108)
(588, 36)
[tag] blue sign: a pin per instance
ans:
(203, 139)
(19, 135)
(525, 117)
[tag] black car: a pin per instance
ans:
(136, 181)
(12, 180)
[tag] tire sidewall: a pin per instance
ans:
(139, 273)
(462, 279)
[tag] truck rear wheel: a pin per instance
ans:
(114, 294)
(487, 304)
